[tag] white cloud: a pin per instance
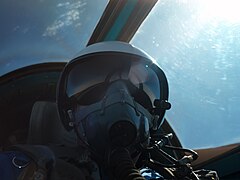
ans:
(70, 17)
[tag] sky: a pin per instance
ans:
(197, 45)
(42, 31)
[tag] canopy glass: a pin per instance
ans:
(45, 31)
(197, 44)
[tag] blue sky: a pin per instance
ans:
(200, 56)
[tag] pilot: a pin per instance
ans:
(113, 96)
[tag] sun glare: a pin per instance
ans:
(221, 10)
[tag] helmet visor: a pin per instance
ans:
(95, 72)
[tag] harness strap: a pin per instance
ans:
(72, 162)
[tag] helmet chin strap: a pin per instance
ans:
(77, 125)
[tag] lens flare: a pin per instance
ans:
(220, 10)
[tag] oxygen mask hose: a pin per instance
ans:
(122, 165)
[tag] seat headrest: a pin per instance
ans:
(45, 126)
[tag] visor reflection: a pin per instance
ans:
(89, 79)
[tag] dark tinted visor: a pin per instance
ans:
(98, 71)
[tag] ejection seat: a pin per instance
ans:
(45, 127)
